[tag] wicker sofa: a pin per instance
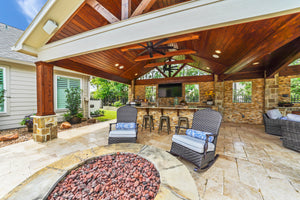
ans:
(272, 126)
(291, 134)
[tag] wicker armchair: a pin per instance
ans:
(272, 126)
(202, 153)
(291, 135)
(125, 114)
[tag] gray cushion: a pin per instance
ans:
(123, 133)
(293, 117)
(274, 114)
(192, 143)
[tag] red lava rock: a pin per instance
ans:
(118, 176)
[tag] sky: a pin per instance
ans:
(19, 13)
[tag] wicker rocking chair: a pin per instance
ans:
(125, 114)
(199, 152)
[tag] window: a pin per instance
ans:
(2, 89)
(64, 83)
(151, 93)
(242, 92)
(192, 93)
(295, 90)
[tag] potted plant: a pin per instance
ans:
(209, 95)
(28, 121)
(73, 101)
(97, 113)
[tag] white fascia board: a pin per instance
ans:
(179, 19)
(19, 44)
(56, 68)
(10, 60)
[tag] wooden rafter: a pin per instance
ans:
(143, 7)
(150, 65)
(168, 54)
(102, 11)
(161, 72)
(126, 9)
(182, 66)
(171, 40)
(284, 35)
(283, 57)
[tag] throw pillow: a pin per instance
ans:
(293, 117)
(125, 126)
(274, 114)
(199, 134)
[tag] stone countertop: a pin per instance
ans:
(171, 108)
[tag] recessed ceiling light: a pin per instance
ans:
(218, 51)
(256, 63)
(136, 74)
(207, 68)
(117, 65)
(216, 56)
(121, 67)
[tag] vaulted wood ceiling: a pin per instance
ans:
(271, 44)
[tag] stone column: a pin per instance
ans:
(45, 121)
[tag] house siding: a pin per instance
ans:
(21, 92)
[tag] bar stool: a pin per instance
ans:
(182, 119)
(146, 119)
(162, 120)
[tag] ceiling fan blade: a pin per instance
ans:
(151, 53)
(160, 52)
(143, 52)
(142, 45)
(160, 42)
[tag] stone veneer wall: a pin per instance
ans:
(266, 94)
(44, 128)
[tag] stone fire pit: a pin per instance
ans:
(175, 180)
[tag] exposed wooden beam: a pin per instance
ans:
(168, 54)
(182, 66)
(242, 75)
(161, 72)
(290, 70)
(150, 65)
(69, 64)
(185, 79)
(103, 11)
(126, 9)
(171, 40)
(282, 36)
(143, 7)
(283, 57)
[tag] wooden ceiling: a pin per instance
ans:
(270, 44)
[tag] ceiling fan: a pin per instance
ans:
(169, 68)
(151, 48)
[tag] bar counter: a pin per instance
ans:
(172, 112)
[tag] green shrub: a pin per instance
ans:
(67, 116)
(73, 100)
(80, 115)
(117, 104)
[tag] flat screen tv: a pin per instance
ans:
(170, 90)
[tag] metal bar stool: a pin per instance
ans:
(146, 119)
(183, 119)
(162, 120)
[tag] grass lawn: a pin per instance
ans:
(108, 115)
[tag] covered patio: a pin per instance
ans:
(228, 42)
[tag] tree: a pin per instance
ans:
(295, 86)
(73, 100)
(109, 91)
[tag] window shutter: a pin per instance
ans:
(1, 88)
(62, 85)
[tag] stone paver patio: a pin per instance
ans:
(252, 164)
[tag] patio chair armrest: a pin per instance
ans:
(110, 124)
(179, 127)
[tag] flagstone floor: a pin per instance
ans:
(252, 164)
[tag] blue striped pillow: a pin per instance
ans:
(125, 126)
(199, 134)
